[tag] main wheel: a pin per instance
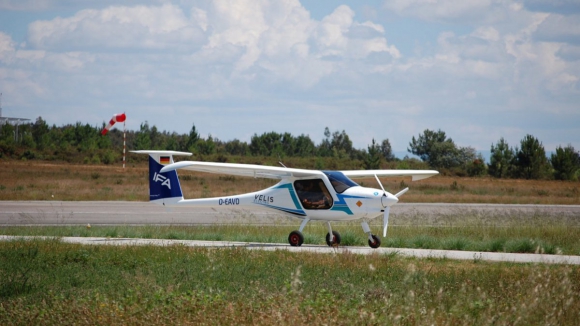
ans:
(296, 239)
(375, 243)
(335, 238)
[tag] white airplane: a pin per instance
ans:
(306, 194)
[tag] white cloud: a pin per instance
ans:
(565, 7)
(138, 27)
(435, 10)
(264, 65)
(6, 48)
(560, 28)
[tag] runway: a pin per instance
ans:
(139, 213)
(418, 253)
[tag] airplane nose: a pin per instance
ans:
(389, 200)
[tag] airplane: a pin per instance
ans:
(310, 195)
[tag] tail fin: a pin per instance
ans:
(163, 187)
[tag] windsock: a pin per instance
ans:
(116, 118)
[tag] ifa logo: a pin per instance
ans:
(163, 179)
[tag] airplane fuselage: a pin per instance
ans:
(354, 203)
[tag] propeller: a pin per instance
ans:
(388, 207)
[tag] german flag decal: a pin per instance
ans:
(164, 160)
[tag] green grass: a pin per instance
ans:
(49, 283)
(526, 238)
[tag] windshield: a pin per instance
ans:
(339, 181)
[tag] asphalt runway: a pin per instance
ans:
(139, 213)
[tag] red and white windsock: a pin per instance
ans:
(116, 118)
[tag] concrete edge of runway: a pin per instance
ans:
(417, 253)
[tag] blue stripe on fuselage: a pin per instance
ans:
(341, 205)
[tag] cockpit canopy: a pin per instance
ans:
(339, 181)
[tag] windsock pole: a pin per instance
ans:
(124, 142)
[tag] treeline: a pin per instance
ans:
(528, 161)
(82, 143)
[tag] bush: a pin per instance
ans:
(28, 155)
(109, 157)
(476, 168)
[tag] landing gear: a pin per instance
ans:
(334, 240)
(296, 239)
(375, 242)
(332, 237)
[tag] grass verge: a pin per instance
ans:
(546, 239)
(48, 282)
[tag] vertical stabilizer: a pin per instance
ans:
(164, 188)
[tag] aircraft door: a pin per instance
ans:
(313, 194)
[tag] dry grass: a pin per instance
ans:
(63, 181)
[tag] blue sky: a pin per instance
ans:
(478, 70)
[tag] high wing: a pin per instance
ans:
(415, 174)
(245, 170)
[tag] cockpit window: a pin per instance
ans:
(339, 181)
(313, 194)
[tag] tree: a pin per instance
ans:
(7, 133)
(386, 150)
(339, 145)
(143, 140)
(530, 160)
(439, 151)
(172, 143)
(40, 133)
(476, 167)
(373, 157)
(156, 139)
(206, 146)
(424, 145)
(325, 148)
(192, 139)
(304, 146)
(566, 163)
(267, 144)
(432, 147)
(501, 160)
(236, 147)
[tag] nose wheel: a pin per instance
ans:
(375, 242)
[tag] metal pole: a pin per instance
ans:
(124, 142)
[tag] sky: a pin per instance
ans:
(479, 70)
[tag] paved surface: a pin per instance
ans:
(136, 213)
(419, 253)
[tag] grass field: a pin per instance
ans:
(51, 283)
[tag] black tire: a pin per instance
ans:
(296, 239)
(375, 243)
(335, 241)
